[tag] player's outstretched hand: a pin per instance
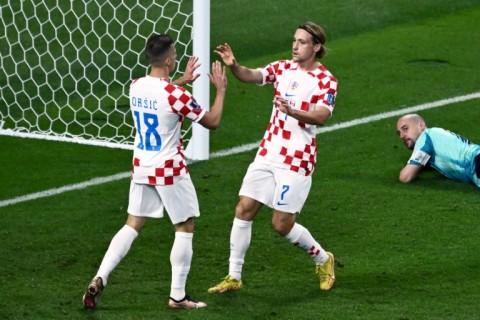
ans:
(226, 53)
(218, 77)
(192, 65)
(189, 75)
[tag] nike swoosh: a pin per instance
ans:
(289, 95)
(281, 204)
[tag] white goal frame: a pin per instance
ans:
(14, 21)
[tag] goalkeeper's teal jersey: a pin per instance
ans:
(449, 153)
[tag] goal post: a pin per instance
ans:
(199, 145)
(65, 66)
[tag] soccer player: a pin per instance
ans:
(450, 154)
(281, 174)
(160, 178)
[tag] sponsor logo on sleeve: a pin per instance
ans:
(331, 99)
(194, 104)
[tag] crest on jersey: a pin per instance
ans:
(294, 86)
(291, 90)
(194, 104)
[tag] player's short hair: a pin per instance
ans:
(156, 48)
(318, 36)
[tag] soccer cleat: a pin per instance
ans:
(326, 273)
(227, 284)
(94, 290)
(185, 303)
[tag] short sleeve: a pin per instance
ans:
(271, 70)
(183, 103)
(328, 92)
(422, 151)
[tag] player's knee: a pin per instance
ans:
(245, 211)
(240, 211)
(186, 226)
(135, 222)
(283, 223)
(281, 227)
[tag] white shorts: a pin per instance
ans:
(179, 200)
(280, 189)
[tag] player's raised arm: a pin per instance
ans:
(240, 72)
(218, 78)
(189, 75)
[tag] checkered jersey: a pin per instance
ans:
(158, 109)
(287, 142)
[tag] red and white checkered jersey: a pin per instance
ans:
(158, 109)
(289, 143)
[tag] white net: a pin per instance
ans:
(65, 65)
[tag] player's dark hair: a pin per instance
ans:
(318, 36)
(156, 48)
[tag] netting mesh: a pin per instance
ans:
(65, 65)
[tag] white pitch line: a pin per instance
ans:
(246, 147)
(55, 191)
(351, 123)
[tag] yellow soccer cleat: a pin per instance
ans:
(227, 284)
(326, 273)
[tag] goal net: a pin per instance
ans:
(65, 66)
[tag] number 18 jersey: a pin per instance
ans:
(158, 109)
